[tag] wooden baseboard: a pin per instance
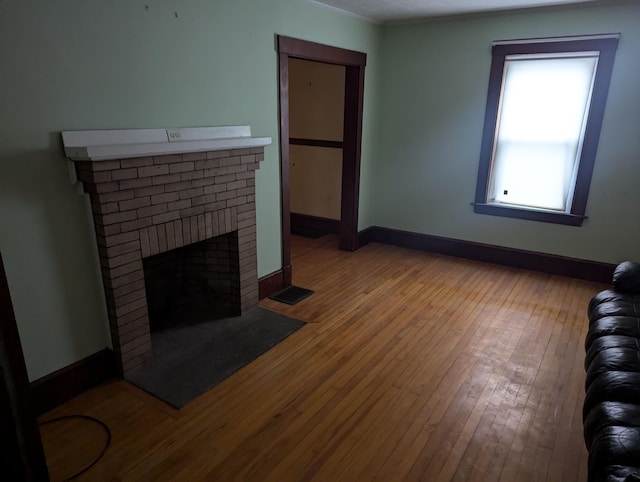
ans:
(517, 258)
(366, 236)
(303, 223)
(270, 284)
(64, 384)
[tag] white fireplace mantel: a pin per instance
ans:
(102, 145)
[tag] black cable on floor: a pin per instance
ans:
(91, 419)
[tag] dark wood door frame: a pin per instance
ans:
(354, 62)
(21, 456)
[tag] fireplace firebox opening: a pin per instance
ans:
(195, 283)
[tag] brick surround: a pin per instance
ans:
(149, 205)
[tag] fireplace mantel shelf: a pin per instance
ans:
(102, 145)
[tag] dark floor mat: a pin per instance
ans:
(190, 360)
(291, 295)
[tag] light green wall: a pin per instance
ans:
(92, 64)
(433, 84)
(95, 64)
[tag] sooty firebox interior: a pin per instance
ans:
(195, 283)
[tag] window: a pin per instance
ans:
(544, 111)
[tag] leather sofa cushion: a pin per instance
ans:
(607, 414)
(610, 296)
(615, 386)
(623, 307)
(626, 277)
(611, 410)
(613, 325)
(616, 473)
(615, 446)
(610, 341)
(613, 359)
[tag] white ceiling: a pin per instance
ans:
(397, 10)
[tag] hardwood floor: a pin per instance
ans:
(412, 367)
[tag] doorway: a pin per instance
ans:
(352, 63)
(316, 130)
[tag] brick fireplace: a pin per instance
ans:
(155, 191)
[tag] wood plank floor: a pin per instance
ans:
(412, 367)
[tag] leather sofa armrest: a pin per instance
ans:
(626, 277)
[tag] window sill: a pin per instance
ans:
(528, 214)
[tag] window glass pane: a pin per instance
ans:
(543, 109)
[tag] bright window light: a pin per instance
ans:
(542, 115)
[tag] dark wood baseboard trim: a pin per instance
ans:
(366, 236)
(64, 384)
(516, 258)
(301, 223)
(270, 284)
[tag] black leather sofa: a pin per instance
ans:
(611, 411)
